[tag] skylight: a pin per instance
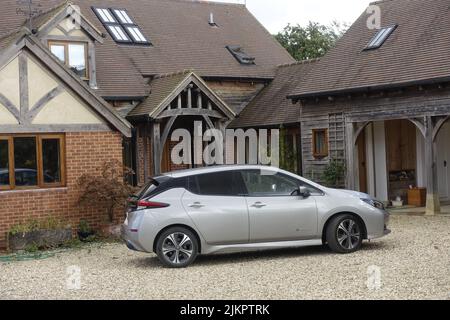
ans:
(240, 55)
(380, 37)
(121, 26)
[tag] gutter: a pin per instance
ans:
(296, 97)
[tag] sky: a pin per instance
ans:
(276, 14)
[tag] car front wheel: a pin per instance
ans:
(344, 234)
(177, 247)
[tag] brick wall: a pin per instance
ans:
(85, 153)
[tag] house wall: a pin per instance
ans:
(236, 94)
(85, 154)
(404, 104)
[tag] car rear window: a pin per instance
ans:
(227, 183)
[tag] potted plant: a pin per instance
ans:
(84, 231)
(47, 233)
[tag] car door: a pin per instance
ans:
(276, 212)
(216, 204)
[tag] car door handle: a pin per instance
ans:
(196, 205)
(258, 205)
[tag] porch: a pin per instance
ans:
(388, 155)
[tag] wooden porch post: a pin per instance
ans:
(433, 202)
(350, 147)
(156, 147)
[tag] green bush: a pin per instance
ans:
(334, 174)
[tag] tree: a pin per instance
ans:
(312, 41)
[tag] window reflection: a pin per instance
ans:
(4, 163)
(25, 163)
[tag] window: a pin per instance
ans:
(73, 54)
(226, 183)
(240, 55)
(320, 143)
(121, 26)
(380, 37)
(260, 185)
(31, 161)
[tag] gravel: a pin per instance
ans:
(413, 262)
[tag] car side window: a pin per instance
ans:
(227, 183)
(268, 185)
(259, 185)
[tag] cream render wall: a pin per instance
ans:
(9, 81)
(40, 82)
(6, 117)
(65, 109)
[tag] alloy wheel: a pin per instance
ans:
(348, 234)
(177, 248)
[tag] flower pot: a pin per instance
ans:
(84, 236)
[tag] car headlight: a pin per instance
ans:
(374, 203)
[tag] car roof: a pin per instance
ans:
(212, 169)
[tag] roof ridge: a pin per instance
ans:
(172, 74)
(212, 2)
(55, 7)
(300, 62)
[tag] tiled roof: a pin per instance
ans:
(181, 38)
(417, 50)
(271, 107)
(161, 87)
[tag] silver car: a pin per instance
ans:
(182, 214)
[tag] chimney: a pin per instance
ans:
(211, 22)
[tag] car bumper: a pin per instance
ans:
(382, 228)
(131, 238)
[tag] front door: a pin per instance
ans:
(443, 161)
(217, 207)
(275, 212)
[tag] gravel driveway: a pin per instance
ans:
(414, 263)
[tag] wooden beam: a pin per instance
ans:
(189, 97)
(43, 102)
(179, 101)
(23, 84)
(145, 135)
(156, 144)
(350, 146)
(10, 107)
(166, 132)
(209, 122)
(433, 201)
(190, 112)
(54, 128)
(92, 67)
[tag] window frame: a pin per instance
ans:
(39, 161)
(317, 153)
(381, 38)
(65, 44)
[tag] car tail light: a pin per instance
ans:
(144, 204)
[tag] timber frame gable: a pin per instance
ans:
(28, 51)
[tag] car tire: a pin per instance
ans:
(344, 234)
(177, 247)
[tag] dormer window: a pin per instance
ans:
(240, 55)
(121, 26)
(72, 54)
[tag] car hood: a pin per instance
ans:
(350, 193)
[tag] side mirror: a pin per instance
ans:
(304, 192)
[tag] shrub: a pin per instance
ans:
(334, 174)
(108, 189)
